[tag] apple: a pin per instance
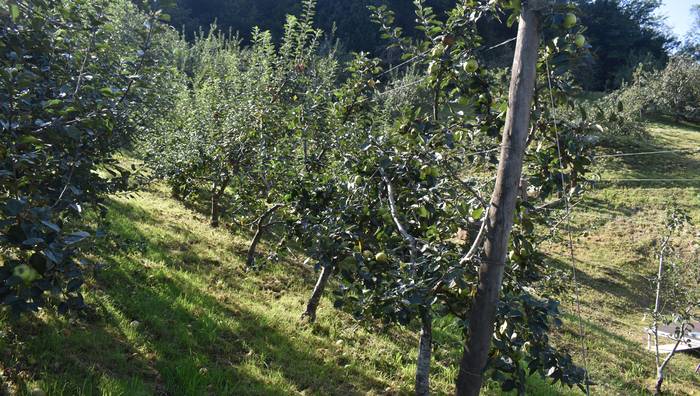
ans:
(433, 68)
(569, 20)
(580, 40)
(26, 273)
(471, 65)
(381, 257)
(367, 254)
(438, 51)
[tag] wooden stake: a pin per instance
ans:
(503, 200)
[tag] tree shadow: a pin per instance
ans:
(169, 321)
(199, 355)
(632, 291)
(224, 350)
(601, 206)
(664, 165)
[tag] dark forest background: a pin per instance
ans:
(622, 33)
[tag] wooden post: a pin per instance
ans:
(503, 200)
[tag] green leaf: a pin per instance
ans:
(74, 285)
(51, 226)
(14, 12)
(75, 237)
(28, 139)
(13, 207)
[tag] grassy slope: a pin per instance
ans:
(617, 228)
(175, 312)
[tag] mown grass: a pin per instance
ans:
(617, 228)
(173, 310)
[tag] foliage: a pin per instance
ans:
(247, 120)
(691, 45)
(349, 21)
(72, 74)
(397, 219)
(677, 297)
(622, 34)
(673, 92)
(677, 89)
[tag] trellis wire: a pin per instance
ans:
(584, 351)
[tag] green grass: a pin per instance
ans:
(617, 227)
(173, 311)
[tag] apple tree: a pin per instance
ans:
(71, 83)
(409, 220)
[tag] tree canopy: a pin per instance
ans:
(621, 33)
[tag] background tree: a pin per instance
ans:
(621, 34)
(691, 43)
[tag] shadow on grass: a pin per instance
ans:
(663, 165)
(670, 122)
(160, 328)
(185, 327)
(632, 292)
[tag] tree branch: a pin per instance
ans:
(478, 241)
(395, 216)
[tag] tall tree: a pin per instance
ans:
(691, 45)
(622, 34)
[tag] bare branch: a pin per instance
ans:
(478, 241)
(395, 216)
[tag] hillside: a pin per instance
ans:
(172, 310)
(618, 228)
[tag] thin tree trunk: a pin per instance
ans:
(660, 366)
(660, 369)
(657, 302)
(261, 225)
(312, 305)
(217, 192)
(250, 260)
(425, 346)
(500, 220)
(214, 216)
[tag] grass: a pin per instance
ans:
(173, 311)
(617, 228)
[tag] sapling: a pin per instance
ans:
(677, 300)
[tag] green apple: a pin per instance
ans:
(26, 273)
(433, 68)
(367, 254)
(471, 65)
(381, 257)
(570, 20)
(438, 51)
(580, 40)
